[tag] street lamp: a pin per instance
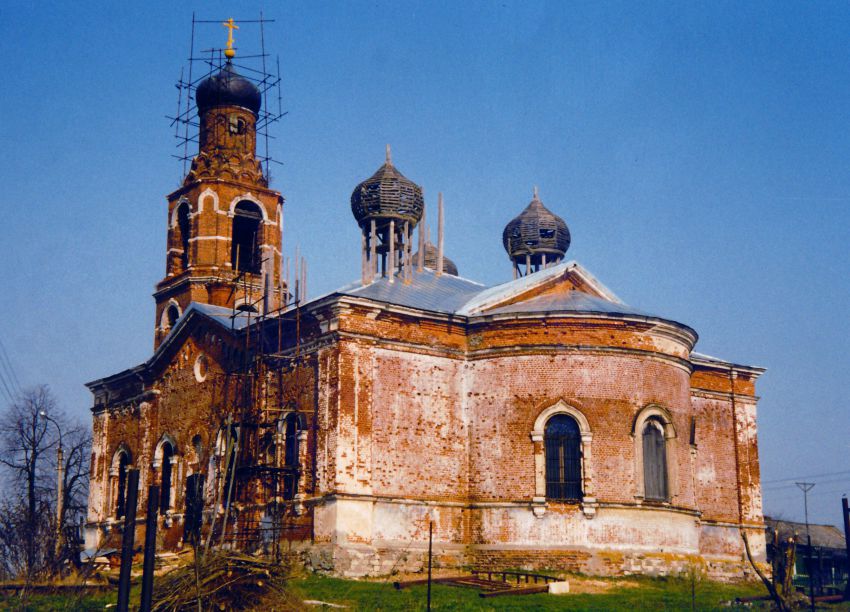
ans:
(60, 471)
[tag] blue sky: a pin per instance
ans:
(698, 152)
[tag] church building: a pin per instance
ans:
(539, 423)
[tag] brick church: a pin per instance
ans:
(539, 423)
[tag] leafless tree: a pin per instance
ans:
(28, 469)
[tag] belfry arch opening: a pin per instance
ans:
(172, 313)
(184, 227)
(246, 237)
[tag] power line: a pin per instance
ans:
(791, 485)
(13, 377)
(784, 494)
(9, 394)
(793, 478)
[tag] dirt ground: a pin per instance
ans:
(578, 584)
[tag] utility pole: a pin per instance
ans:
(60, 483)
(430, 540)
(150, 549)
(805, 487)
(127, 539)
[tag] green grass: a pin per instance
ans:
(51, 603)
(649, 594)
(635, 595)
(67, 602)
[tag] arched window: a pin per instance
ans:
(562, 447)
(197, 448)
(236, 125)
(165, 484)
(247, 237)
(172, 313)
(290, 457)
(185, 230)
(123, 466)
(655, 461)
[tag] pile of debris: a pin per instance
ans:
(226, 580)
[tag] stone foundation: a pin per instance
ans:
(370, 537)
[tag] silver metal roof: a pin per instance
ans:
(572, 301)
(456, 295)
(426, 291)
(221, 315)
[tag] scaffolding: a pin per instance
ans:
(254, 506)
(203, 63)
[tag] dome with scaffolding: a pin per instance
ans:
(227, 88)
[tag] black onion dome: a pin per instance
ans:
(387, 195)
(449, 266)
(227, 88)
(536, 231)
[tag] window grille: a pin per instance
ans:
(562, 447)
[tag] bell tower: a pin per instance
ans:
(224, 223)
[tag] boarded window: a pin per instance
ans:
(654, 461)
(165, 488)
(562, 442)
(246, 239)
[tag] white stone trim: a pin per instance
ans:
(243, 301)
(272, 247)
(203, 195)
(163, 319)
(560, 407)
(197, 238)
(157, 465)
(250, 198)
(539, 500)
(116, 458)
(157, 454)
(184, 200)
(112, 486)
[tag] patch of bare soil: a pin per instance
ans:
(581, 584)
(578, 584)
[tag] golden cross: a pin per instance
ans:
(230, 52)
